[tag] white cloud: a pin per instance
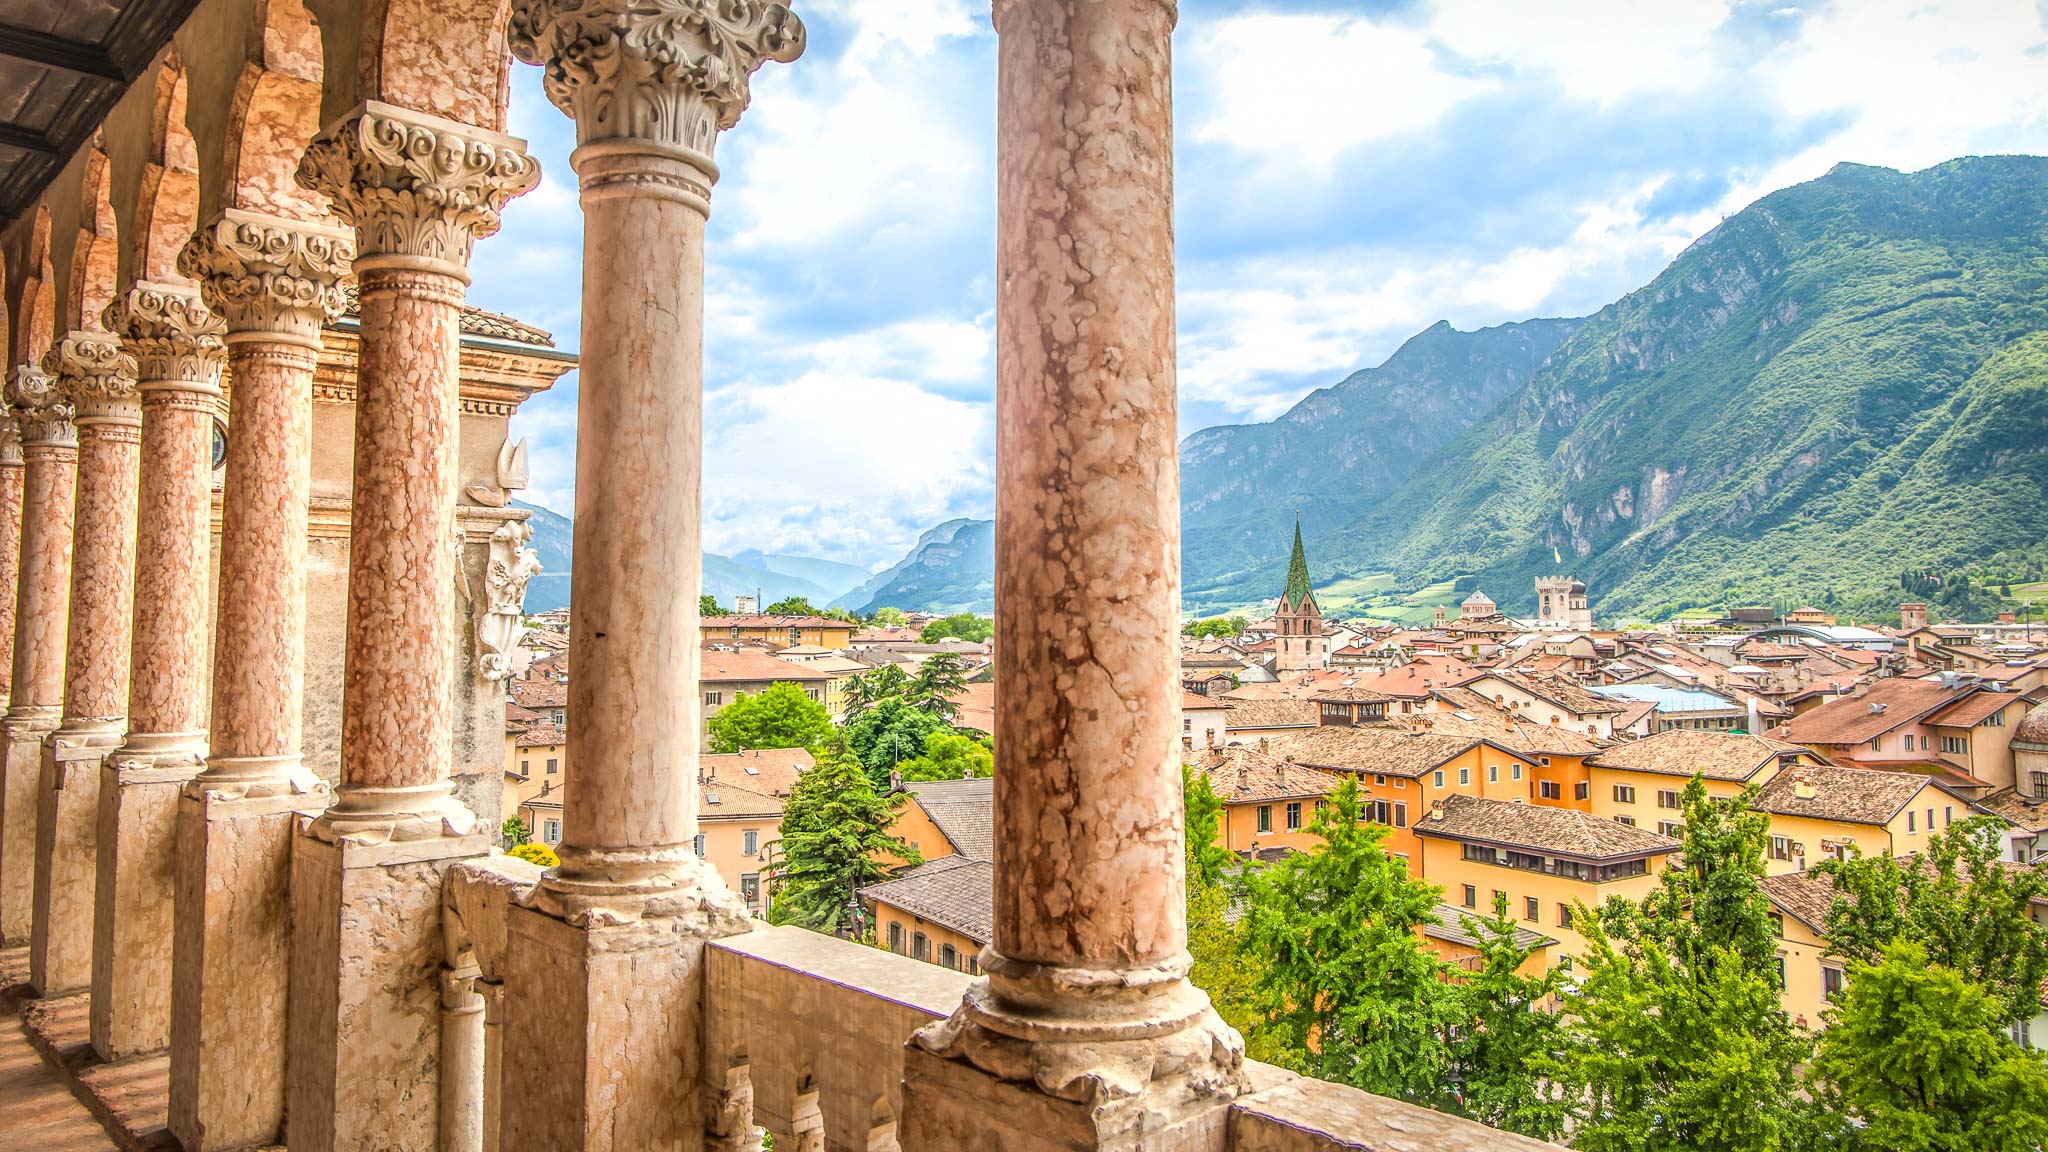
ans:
(1305, 88)
(1598, 50)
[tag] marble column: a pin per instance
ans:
(1086, 1032)
(607, 960)
(11, 468)
(366, 879)
(49, 450)
(176, 344)
(98, 377)
(273, 282)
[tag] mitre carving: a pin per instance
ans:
(97, 376)
(674, 72)
(264, 274)
(416, 185)
(170, 333)
(41, 413)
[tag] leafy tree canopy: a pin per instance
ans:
(887, 733)
(888, 616)
(835, 839)
(963, 625)
(707, 605)
(1228, 627)
(950, 756)
(938, 679)
(1503, 1034)
(782, 716)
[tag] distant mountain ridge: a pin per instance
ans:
(772, 577)
(952, 568)
(1846, 380)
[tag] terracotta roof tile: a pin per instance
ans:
(1244, 775)
(743, 665)
(1685, 751)
(1869, 713)
(1558, 831)
(964, 811)
(956, 892)
(1850, 795)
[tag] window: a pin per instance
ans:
(896, 938)
(920, 946)
(1471, 896)
(949, 957)
(1830, 982)
(1582, 790)
(750, 887)
(713, 699)
(1379, 780)
(1671, 828)
(2040, 786)
(1957, 745)
(551, 831)
(1265, 817)
(2021, 1033)
(1624, 793)
(1910, 825)
(551, 765)
(1481, 854)
(1515, 771)
(1628, 820)
(525, 767)
(1400, 783)
(1781, 971)
(1548, 790)
(1493, 773)
(812, 693)
(1930, 817)
(1187, 725)
(1532, 909)
(698, 844)
(1781, 848)
(1667, 798)
(1948, 815)
(1877, 744)
(1294, 816)
(750, 842)
(1564, 915)
(1464, 775)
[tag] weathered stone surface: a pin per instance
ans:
(365, 1002)
(67, 868)
(1290, 1113)
(20, 787)
(133, 900)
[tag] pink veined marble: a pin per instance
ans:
(11, 497)
(167, 692)
(49, 480)
(102, 573)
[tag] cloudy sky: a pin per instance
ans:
(1347, 174)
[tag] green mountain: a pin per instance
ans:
(1845, 381)
(1339, 449)
(952, 568)
(830, 577)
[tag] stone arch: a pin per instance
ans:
(153, 174)
(30, 285)
(84, 240)
(447, 57)
(253, 71)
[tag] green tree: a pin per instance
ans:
(950, 756)
(1346, 991)
(872, 687)
(1502, 1036)
(1209, 863)
(791, 606)
(887, 733)
(514, 832)
(1915, 1058)
(962, 625)
(1676, 1041)
(938, 679)
(707, 605)
(1228, 627)
(835, 839)
(1969, 911)
(888, 616)
(782, 716)
(1223, 966)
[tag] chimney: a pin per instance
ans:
(1802, 789)
(1755, 719)
(1264, 745)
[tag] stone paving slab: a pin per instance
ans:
(37, 1109)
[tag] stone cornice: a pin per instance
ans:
(269, 278)
(97, 376)
(175, 340)
(418, 188)
(672, 73)
(42, 415)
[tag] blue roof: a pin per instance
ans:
(1667, 699)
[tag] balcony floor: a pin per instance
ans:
(37, 1109)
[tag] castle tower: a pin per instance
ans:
(1561, 603)
(1302, 647)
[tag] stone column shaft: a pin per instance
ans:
(99, 379)
(273, 281)
(11, 482)
(624, 919)
(49, 449)
(366, 880)
(177, 349)
(1086, 1033)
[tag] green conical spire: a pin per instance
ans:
(1298, 587)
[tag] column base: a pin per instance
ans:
(365, 999)
(604, 1011)
(67, 860)
(21, 774)
(230, 958)
(1041, 1058)
(134, 892)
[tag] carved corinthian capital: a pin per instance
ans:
(42, 415)
(97, 376)
(267, 277)
(174, 339)
(671, 72)
(418, 188)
